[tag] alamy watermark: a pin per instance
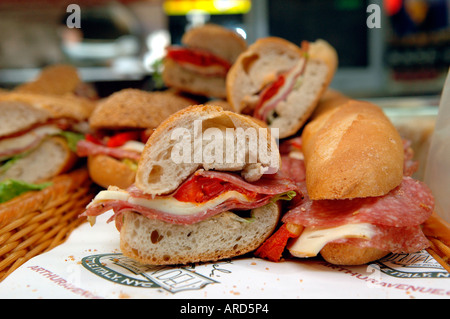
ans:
(74, 18)
(374, 19)
(225, 146)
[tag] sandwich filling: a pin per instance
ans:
(390, 222)
(278, 91)
(125, 146)
(204, 194)
(19, 144)
(199, 61)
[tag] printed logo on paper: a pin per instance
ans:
(126, 271)
(416, 265)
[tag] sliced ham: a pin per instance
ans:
(278, 91)
(86, 148)
(266, 188)
(199, 61)
(119, 207)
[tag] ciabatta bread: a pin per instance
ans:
(158, 172)
(220, 41)
(123, 110)
(151, 241)
(264, 61)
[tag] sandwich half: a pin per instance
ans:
(280, 83)
(120, 125)
(38, 135)
(359, 201)
(203, 208)
(199, 66)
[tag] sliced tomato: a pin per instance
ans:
(201, 189)
(121, 138)
(93, 139)
(268, 93)
(272, 249)
(196, 56)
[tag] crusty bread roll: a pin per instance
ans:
(159, 174)
(17, 116)
(51, 158)
(349, 255)
(58, 79)
(218, 40)
(152, 241)
(134, 108)
(128, 109)
(56, 106)
(105, 171)
(352, 150)
(262, 63)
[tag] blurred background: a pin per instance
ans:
(119, 42)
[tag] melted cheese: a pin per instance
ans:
(168, 204)
(312, 240)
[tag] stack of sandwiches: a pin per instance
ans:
(182, 185)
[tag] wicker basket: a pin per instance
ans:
(36, 222)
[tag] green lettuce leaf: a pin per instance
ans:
(72, 139)
(11, 188)
(284, 196)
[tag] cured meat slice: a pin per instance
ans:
(86, 148)
(393, 239)
(266, 188)
(411, 203)
(199, 61)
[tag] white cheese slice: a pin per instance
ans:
(312, 240)
(133, 146)
(168, 204)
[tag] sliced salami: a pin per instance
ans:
(411, 203)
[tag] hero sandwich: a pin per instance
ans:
(192, 211)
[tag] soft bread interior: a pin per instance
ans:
(163, 165)
(300, 103)
(52, 157)
(151, 241)
(260, 65)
